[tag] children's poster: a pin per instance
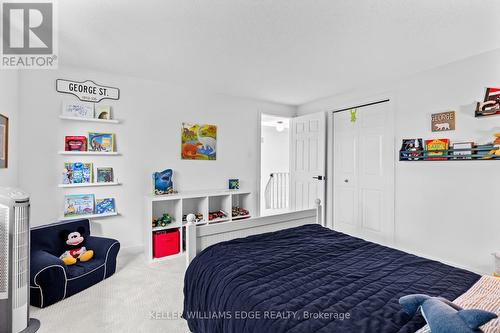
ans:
(199, 142)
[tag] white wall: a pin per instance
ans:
(444, 210)
(148, 138)
(275, 151)
(9, 108)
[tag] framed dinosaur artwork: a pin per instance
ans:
(198, 142)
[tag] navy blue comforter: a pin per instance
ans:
(310, 279)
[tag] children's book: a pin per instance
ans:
(103, 112)
(78, 204)
(105, 175)
(412, 149)
(436, 144)
(80, 110)
(75, 143)
(106, 205)
(465, 151)
(104, 142)
(76, 173)
(484, 150)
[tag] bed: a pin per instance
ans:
(305, 278)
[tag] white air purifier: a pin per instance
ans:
(14, 262)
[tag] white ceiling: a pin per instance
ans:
(288, 51)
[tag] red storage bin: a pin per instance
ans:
(166, 243)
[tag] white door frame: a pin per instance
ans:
(329, 204)
(259, 162)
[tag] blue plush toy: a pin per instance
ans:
(444, 316)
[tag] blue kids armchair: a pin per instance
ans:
(51, 279)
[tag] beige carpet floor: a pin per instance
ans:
(126, 302)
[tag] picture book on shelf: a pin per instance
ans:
(104, 175)
(75, 143)
(78, 204)
(103, 112)
(104, 142)
(483, 151)
(77, 173)
(106, 205)
(436, 144)
(412, 149)
(464, 152)
(78, 110)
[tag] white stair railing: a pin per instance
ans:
(277, 190)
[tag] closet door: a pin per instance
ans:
(364, 173)
(345, 161)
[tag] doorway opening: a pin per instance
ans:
(275, 165)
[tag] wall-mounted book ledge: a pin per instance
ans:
(467, 154)
(88, 216)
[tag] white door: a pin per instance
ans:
(363, 181)
(307, 160)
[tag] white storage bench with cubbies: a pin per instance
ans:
(166, 217)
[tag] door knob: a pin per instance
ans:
(346, 180)
(319, 177)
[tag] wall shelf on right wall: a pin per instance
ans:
(469, 154)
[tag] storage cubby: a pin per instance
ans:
(170, 207)
(220, 205)
(240, 201)
(195, 206)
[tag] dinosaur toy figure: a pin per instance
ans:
(444, 316)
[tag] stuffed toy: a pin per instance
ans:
(76, 251)
(444, 316)
(162, 182)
